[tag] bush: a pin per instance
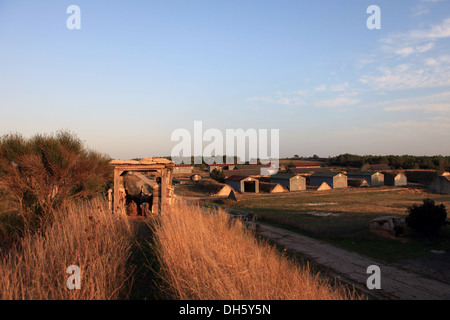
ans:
(43, 172)
(217, 175)
(427, 219)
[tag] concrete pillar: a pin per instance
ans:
(117, 186)
(163, 191)
(110, 200)
(156, 200)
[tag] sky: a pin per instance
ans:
(136, 71)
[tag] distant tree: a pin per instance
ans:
(426, 219)
(296, 156)
(289, 164)
(439, 163)
(217, 175)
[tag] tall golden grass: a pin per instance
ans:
(205, 257)
(86, 235)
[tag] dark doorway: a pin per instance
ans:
(249, 186)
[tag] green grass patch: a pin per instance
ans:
(342, 218)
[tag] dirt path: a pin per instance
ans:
(396, 282)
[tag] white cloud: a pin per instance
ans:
(415, 41)
(253, 108)
(323, 87)
(281, 99)
(339, 87)
(431, 62)
(423, 73)
(363, 62)
(420, 9)
(405, 51)
(423, 7)
(433, 104)
(425, 48)
(263, 99)
(409, 60)
(438, 104)
(435, 32)
(430, 133)
(341, 101)
(437, 108)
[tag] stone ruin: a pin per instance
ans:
(387, 224)
(135, 193)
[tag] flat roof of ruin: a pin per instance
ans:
(144, 161)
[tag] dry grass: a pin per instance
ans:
(204, 256)
(86, 235)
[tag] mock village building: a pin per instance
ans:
(243, 183)
(254, 172)
(293, 182)
(271, 187)
(308, 171)
(395, 179)
(332, 179)
(305, 165)
(182, 168)
(357, 183)
(250, 166)
(373, 178)
(423, 176)
(440, 185)
(220, 166)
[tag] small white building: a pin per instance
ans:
(243, 183)
(395, 179)
(183, 168)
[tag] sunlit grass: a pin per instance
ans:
(86, 235)
(204, 256)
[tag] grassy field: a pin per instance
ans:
(342, 217)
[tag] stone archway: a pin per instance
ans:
(163, 192)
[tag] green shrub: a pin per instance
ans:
(427, 219)
(217, 175)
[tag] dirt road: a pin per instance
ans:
(396, 282)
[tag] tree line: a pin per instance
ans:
(438, 162)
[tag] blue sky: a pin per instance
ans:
(138, 70)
